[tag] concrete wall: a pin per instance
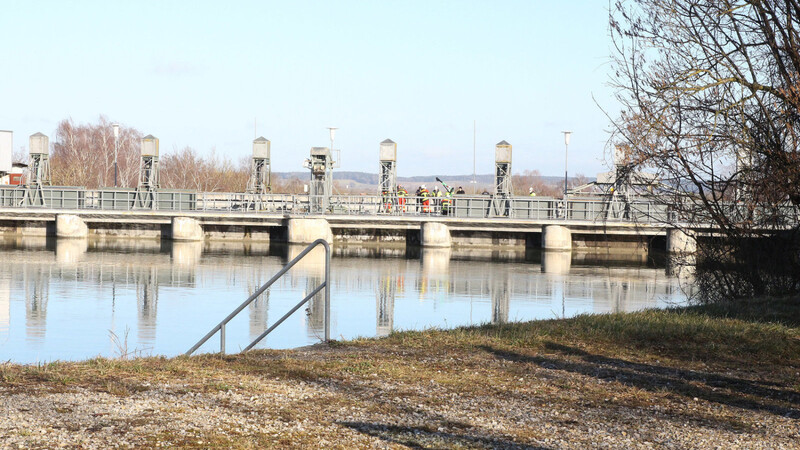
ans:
(594, 243)
(239, 232)
(470, 238)
(128, 230)
(28, 227)
(369, 235)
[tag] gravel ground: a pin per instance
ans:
(493, 403)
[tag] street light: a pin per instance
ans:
(116, 148)
(566, 154)
(332, 130)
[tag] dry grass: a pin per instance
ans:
(732, 369)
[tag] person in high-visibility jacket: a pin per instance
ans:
(423, 192)
(387, 201)
(446, 201)
(531, 193)
(401, 198)
(437, 199)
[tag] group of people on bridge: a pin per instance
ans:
(423, 201)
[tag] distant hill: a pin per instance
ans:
(372, 178)
(367, 182)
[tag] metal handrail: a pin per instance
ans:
(325, 284)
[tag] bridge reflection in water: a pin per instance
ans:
(73, 294)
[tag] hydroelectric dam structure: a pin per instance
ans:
(614, 216)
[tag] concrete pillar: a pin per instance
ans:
(70, 226)
(556, 237)
(306, 231)
(681, 241)
(434, 234)
(186, 229)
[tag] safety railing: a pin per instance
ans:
(458, 206)
(592, 209)
(325, 284)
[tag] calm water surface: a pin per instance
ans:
(69, 299)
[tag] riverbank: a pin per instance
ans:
(694, 377)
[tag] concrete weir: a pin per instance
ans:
(306, 231)
(435, 234)
(186, 229)
(556, 237)
(411, 231)
(70, 226)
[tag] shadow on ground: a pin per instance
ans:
(731, 391)
(417, 437)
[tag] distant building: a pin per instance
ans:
(16, 176)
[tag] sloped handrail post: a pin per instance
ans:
(325, 284)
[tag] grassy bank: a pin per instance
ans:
(693, 377)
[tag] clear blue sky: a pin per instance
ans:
(419, 72)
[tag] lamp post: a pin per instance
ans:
(116, 148)
(332, 131)
(566, 154)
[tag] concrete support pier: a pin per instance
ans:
(681, 242)
(306, 231)
(71, 226)
(556, 237)
(435, 234)
(186, 229)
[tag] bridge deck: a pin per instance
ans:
(336, 221)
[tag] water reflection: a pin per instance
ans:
(556, 262)
(36, 280)
(147, 303)
(186, 254)
(501, 296)
(312, 269)
(5, 305)
(69, 251)
(72, 292)
(384, 304)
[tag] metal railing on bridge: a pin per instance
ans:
(589, 208)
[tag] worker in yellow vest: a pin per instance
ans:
(402, 193)
(437, 199)
(446, 201)
(423, 192)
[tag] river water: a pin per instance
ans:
(73, 299)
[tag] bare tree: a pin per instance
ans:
(83, 154)
(533, 179)
(711, 103)
(186, 169)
